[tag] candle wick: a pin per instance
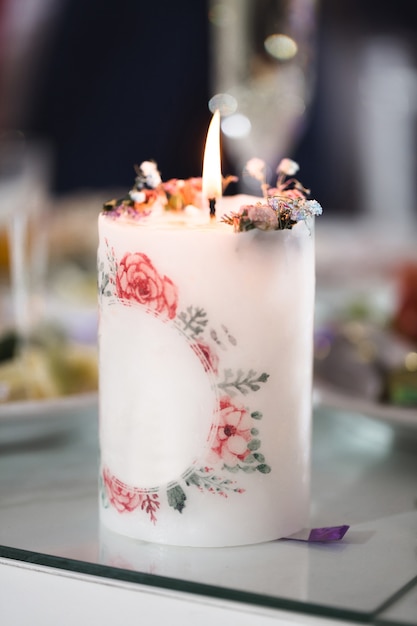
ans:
(212, 205)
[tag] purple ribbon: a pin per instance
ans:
(320, 535)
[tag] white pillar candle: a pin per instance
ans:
(205, 355)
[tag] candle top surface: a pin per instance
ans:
(181, 203)
(166, 220)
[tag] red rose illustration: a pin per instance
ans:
(208, 358)
(138, 280)
(119, 494)
(125, 498)
(233, 432)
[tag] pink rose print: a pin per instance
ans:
(126, 499)
(120, 496)
(138, 280)
(208, 358)
(233, 432)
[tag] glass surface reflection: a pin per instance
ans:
(49, 517)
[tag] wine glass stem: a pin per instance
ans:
(19, 273)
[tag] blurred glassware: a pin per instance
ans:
(262, 65)
(386, 121)
(24, 183)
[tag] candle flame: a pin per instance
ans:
(212, 173)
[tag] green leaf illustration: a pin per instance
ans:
(103, 283)
(205, 480)
(263, 468)
(231, 468)
(248, 468)
(176, 497)
(103, 493)
(193, 320)
(241, 382)
(263, 377)
(241, 468)
(193, 479)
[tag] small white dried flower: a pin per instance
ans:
(256, 168)
(137, 196)
(151, 173)
(287, 167)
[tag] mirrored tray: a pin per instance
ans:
(49, 516)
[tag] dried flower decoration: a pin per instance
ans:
(145, 191)
(282, 206)
(147, 175)
(174, 195)
(256, 168)
(288, 167)
(181, 193)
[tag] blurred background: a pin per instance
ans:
(96, 86)
(107, 84)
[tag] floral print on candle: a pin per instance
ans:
(207, 356)
(138, 280)
(234, 439)
(126, 499)
(233, 432)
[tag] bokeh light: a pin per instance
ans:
(411, 362)
(223, 102)
(236, 126)
(281, 47)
